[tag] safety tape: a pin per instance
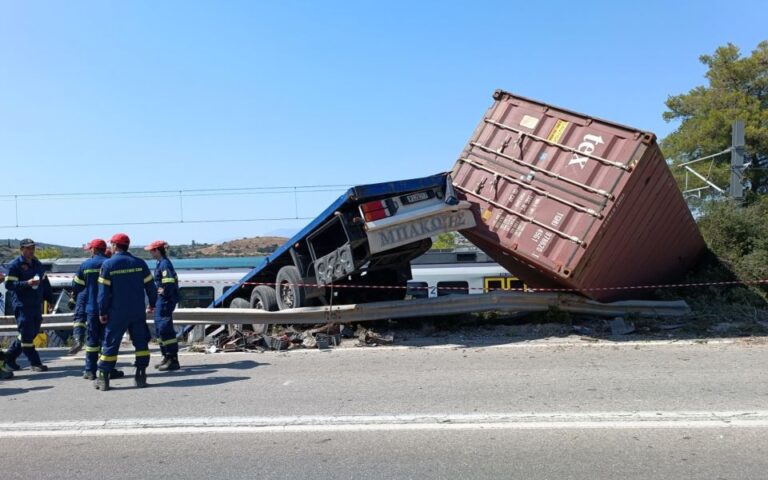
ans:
(520, 289)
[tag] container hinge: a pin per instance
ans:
(480, 185)
(505, 144)
(519, 143)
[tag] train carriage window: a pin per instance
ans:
(452, 288)
(195, 297)
(416, 290)
(466, 257)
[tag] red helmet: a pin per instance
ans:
(96, 243)
(156, 244)
(120, 239)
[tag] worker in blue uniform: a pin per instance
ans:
(77, 303)
(28, 287)
(85, 285)
(5, 373)
(123, 281)
(167, 283)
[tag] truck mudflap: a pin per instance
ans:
(399, 230)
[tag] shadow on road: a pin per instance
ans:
(6, 392)
(156, 382)
(238, 365)
(53, 372)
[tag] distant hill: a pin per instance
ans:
(9, 249)
(244, 247)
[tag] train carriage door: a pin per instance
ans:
(515, 284)
(491, 284)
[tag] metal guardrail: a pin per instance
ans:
(425, 307)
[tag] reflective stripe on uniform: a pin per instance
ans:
(79, 281)
(25, 345)
(10, 278)
(78, 324)
(104, 281)
(168, 280)
(88, 271)
(92, 349)
(142, 353)
(148, 278)
(125, 270)
(108, 358)
(169, 342)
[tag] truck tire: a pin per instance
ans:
(264, 297)
(289, 293)
(239, 303)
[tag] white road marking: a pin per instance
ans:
(573, 343)
(369, 423)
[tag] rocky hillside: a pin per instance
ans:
(9, 249)
(244, 247)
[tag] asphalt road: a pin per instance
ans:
(538, 410)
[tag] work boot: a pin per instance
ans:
(39, 368)
(89, 375)
(12, 364)
(172, 364)
(166, 360)
(101, 382)
(140, 377)
(116, 374)
(76, 347)
(5, 374)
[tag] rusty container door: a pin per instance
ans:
(566, 200)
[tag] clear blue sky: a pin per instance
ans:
(175, 95)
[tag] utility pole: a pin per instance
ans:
(737, 160)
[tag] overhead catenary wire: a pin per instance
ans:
(156, 222)
(182, 194)
(199, 192)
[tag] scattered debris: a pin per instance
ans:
(582, 330)
(619, 326)
(671, 326)
(368, 338)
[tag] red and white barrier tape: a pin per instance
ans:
(522, 289)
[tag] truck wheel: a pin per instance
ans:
(239, 303)
(264, 298)
(289, 293)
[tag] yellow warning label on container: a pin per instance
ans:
(486, 215)
(557, 132)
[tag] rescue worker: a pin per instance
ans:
(85, 284)
(77, 303)
(28, 286)
(5, 374)
(123, 281)
(167, 283)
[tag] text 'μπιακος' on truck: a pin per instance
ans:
(367, 238)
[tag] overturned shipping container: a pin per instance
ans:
(565, 200)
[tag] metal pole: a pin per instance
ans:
(737, 160)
